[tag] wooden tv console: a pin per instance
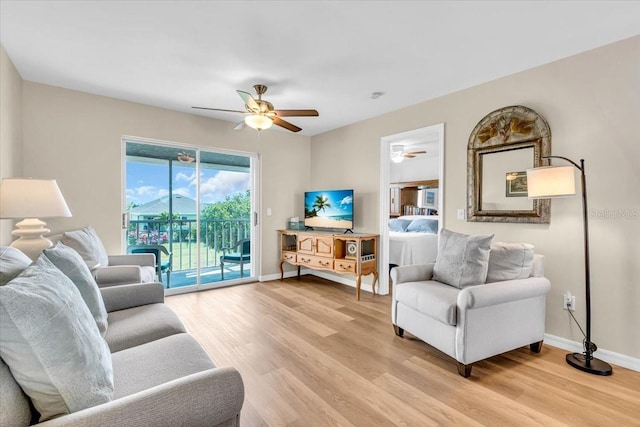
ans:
(340, 253)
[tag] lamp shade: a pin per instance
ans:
(258, 121)
(551, 181)
(31, 198)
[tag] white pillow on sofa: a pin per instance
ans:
(87, 243)
(462, 260)
(71, 264)
(12, 262)
(509, 261)
(51, 343)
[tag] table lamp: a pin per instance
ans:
(559, 181)
(29, 199)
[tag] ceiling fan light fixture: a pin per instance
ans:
(397, 157)
(258, 122)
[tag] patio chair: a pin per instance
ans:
(157, 250)
(238, 253)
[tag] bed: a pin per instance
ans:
(413, 240)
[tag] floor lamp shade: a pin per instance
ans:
(551, 181)
(30, 199)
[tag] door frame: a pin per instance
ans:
(385, 165)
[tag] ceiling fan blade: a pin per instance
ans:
(416, 152)
(297, 113)
(290, 126)
(219, 109)
(249, 101)
(408, 156)
(239, 126)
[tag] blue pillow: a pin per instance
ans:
(399, 225)
(423, 226)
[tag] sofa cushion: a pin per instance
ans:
(157, 362)
(431, 298)
(14, 407)
(71, 264)
(462, 260)
(51, 343)
(87, 243)
(509, 261)
(140, 325)
(12, 262)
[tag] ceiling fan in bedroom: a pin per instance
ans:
(398, 153)
(260, 114)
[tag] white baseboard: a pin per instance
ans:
(606, 355)
(334, 278)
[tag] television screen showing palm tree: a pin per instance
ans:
(328, 209)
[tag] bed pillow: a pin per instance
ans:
(399, 225)
(87, 243)
(51, 343)
(509, 261)
(71, 264)
(423, 226)
(12, 262)
(462, 260)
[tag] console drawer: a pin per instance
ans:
(289, 257)
(316, 261)
(345, 266)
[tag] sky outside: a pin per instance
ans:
(147, 182)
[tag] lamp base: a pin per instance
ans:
(30, 240)
(592, 366)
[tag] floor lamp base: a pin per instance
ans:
(593, 366)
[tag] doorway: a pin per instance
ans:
(193, 208)
(429, 139)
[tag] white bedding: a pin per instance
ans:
(412, 248)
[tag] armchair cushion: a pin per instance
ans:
(12, 262)
(69, 262)
(508, 261)
(51, 343)
(462, 260)
(87, 243)
(431, 298)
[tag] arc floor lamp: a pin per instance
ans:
(559, 181)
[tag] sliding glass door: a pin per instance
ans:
(193, 208)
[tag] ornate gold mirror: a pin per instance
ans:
(502, 146)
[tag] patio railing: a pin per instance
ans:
(180, 237)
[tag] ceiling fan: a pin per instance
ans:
(261, 114)
(398, 153)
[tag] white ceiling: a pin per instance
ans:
(327, 55)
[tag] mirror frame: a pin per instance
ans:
(509, 128)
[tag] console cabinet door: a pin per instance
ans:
(324, 246)
(306, 244)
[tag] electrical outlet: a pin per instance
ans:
(460, 214)
(569, 301)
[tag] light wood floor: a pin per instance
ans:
(311, 355)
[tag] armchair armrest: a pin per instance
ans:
(502, 292)
(209, 397)
(132, 295)
(117, 275)
(411, 273)
(144, 260)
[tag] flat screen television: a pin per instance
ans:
(328, 209)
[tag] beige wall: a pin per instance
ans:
(75, 137)
(10, 130)
(592, 104)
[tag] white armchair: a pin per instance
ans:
(108, 270)
(472, 323)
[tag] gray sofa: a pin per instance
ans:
(161, 375)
